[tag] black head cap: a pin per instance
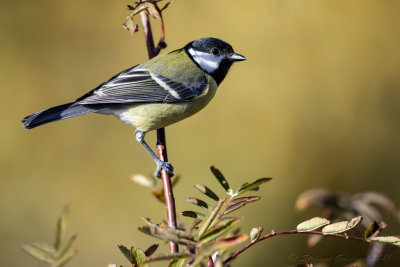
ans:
(206, 44)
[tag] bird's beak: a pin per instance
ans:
(237, 57)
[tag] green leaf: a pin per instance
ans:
(240, 202)
(219, 245)
(177, 263)
(197, 202)
(150, 251)
(180, 233)
(127, 253)
(62, 225)
(167, 257)
(374, 229)
(335, 228)
(221, 179)
(165, 234)
(218, 231)
(193, 214)
(225, 220)
(137, 255)
(312, 224)
(252, 185)
(386, 239)
(65, 258)
(193, 225)
(235, 231)
(255, 233)
(67, 245)
(37, 253)
(245, 199)
(134, 255)
(206, 191)
(211, 217)
(341, 227)
(394, 240)
(226, 243)
(46, 248)
(356, 220)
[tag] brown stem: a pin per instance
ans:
(161, 143)
(148, 34)
(234, 255)
(168, 193)
(210, 262)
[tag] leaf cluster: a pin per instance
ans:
(338, 206)
(60, 253)
(328, 227)
(212, 231)
(370, 235)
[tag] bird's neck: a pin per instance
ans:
(220, 73)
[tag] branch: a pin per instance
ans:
(234, 255)
(161, 142)
(148, 34)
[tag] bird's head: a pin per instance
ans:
(213, 56)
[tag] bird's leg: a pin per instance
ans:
(160, 164)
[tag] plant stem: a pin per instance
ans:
(210, 262)
(234, 255)
(168, 193)
(161, 142)
(148, 34)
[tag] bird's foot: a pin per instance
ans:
(166, 166)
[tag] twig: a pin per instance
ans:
(168, 193)
(234, 255)
(148, 34)
(210, 262)
(161, 142)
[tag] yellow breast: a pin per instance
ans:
(146, 117)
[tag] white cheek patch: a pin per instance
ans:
(207, 62)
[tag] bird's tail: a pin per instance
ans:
(55, 113)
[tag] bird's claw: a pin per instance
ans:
(164, 165)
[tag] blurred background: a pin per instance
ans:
(315, 105)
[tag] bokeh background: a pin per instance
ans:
(315, 105)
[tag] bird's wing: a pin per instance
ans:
(138, 85)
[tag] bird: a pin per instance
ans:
(157, 93)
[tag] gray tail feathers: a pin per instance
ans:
(55, 113)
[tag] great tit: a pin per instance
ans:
(157, 93)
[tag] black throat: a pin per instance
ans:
(219, 74)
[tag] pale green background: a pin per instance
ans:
(315, 105)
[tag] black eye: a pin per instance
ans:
(215, 51)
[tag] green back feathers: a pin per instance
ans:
(187, 69)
